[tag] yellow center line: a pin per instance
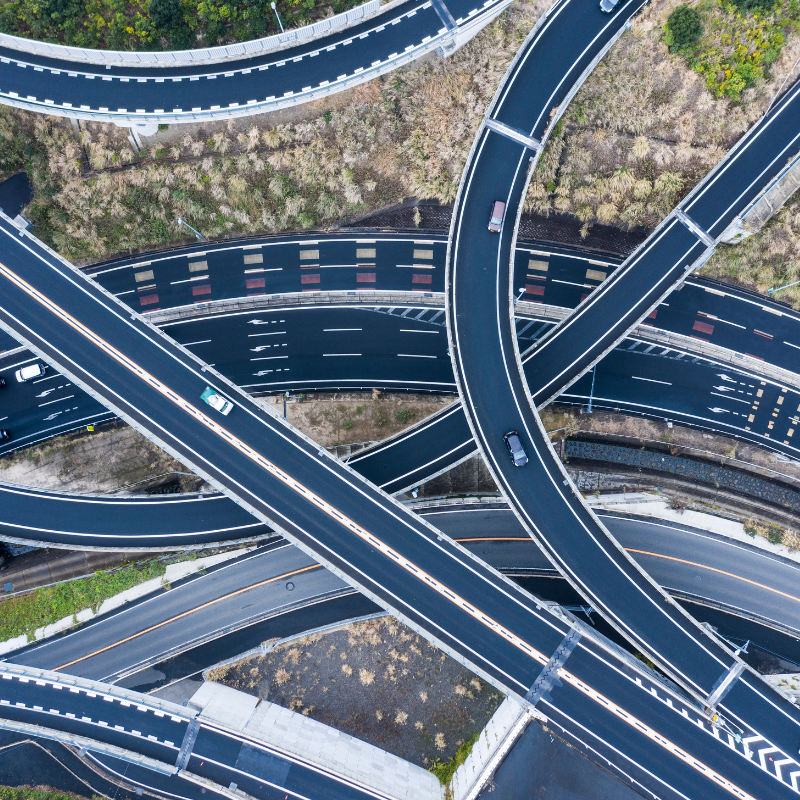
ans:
(362, 533)
(186, 614)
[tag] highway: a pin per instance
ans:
(636, 377)
(153, 383)
(496, 396)
(252, 84)
(342, 521)
(255, 587)
(666, 258)
(373, 261)
(129, 725)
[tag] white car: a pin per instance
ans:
(31, 371)
(216, 401)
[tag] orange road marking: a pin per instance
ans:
(185, 614)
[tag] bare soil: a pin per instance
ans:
(116, 456)
(108, 459)
(346, 418)
(375, 680)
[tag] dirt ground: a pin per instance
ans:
(347, 418)
(114, 457)
(375, 680)
(108, 459)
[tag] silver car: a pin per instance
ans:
(607, 6)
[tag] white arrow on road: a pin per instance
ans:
(258, 322)
(53, 416)
(725, 377)
(724, 389)
(719, 410)
(260, 348)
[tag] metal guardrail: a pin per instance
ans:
(361, 297)
(210, 55)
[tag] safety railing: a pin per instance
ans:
(209, 55)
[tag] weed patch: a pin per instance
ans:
(27, 612)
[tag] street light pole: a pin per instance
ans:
(193, 230)
(521, 292)
(277, 15)
(781, 288)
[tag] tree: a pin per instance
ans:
(685, 25)
(754, 5)
(166, 15)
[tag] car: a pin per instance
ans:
(607, 6)
(29, 372)
(4, 434)
(515, 448)
(2, 381)
(496, 216)
(217, 401)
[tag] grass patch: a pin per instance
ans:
(26, 793)
(648, 124)
(766, 260)
(444, 770)
(27, 612)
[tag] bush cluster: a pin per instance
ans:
(732, 42)
(155, 24)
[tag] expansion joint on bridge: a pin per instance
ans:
(189, 738)
(548, 677)
(689, 223)
(513, 134)
(444, 14)
(725, 683)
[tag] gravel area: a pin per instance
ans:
(375, 680)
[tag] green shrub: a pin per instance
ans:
(684, 27)
(754, 5)
(444, 770)
(347, 424)
(165, 14)
(403, 415)
(775, 535)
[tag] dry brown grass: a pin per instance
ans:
(405, 134)
(642, 131)
(768, 259)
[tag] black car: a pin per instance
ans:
(515, 448)
(2, 381)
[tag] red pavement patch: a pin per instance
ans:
(309, 279)
(198, 290)
(703, 327)
(148, 299)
